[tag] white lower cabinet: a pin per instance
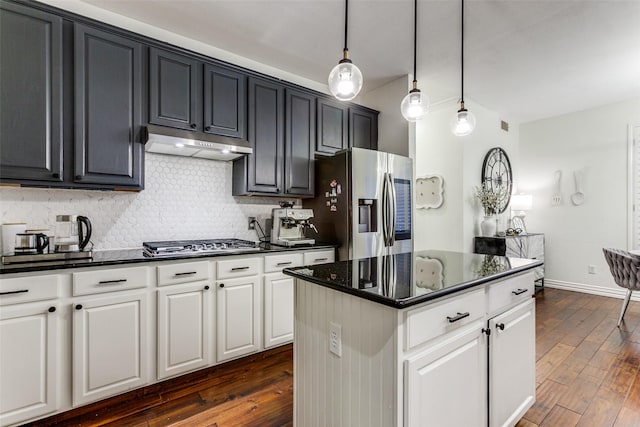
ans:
(184, 328)
(28, 361)
(278, 309)
(512, 382)
(446, 385)
(238, 317)
(110, 348)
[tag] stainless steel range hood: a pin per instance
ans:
(177, 142)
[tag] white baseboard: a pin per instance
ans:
(590, 289)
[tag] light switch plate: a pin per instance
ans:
(335, 339)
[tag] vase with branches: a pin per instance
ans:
(490, 201)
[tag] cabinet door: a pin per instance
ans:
(300, 142)
(266, 120)
(363, 128)
(238, 317)
(512, 380)
(447, 384)
(110, 347)
(108, 108)
(278, 309)
(184, 328)
(225, 102)
(333, 122)
(28, 362)
(175, 89)
(30, 94)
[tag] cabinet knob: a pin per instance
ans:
(500, 326)
(222, 285)
(78, 177)
(52, 309)
(55, 175)
(79, 307)
(207, 128)
(193, 125)
(277, 190)
(206, 288)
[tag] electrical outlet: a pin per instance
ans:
(592, 269)
(335, 339)
(252, 223)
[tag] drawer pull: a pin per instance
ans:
(52, 309)
(111, 282)
(460, 316)
(320, 259)
(21, 291)
(239, 268)
(500, 326)
(188, 273)
(280, 264)
(519, 291)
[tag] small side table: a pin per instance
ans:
(529, 245)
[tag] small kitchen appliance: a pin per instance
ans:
(73, 233)
(289, 226)
(196, 247)
(31, 243)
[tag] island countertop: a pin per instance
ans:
(404, 280)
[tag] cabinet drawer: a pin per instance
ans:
(275, 263)
(183, 273)
(238, 267)
(27, 289)
(426, 323)
(319, 257)
(506, 292)
(119, 279)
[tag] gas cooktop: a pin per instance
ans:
(195, 247)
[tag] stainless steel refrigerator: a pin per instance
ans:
(364, 203)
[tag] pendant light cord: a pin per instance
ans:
(462, 51)
(415, 39)
(346, 19)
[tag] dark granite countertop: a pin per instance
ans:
(416, 278)
(130, 256)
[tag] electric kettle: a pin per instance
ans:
(72, 233)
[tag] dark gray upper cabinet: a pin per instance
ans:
(261, 172)
(108, 114)
(225, 102)
(363, 128)
(30, 94)
(300, 142)
(333, 126)
(175, 90)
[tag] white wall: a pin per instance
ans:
(393, 129)
(184, 198)
(594, 142)
(459, 161)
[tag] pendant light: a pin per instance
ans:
(345, 79)
(415, 104)
(463, 122)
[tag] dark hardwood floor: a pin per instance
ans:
(587, 375)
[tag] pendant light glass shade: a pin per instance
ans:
(463, 123)
(415, 105)
(345, 80)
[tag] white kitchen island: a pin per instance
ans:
(429, 338)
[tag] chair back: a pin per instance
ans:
(624, 266)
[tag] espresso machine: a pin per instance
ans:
(290, 225)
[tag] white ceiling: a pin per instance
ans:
(525, 59)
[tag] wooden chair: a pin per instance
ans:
(625, 268)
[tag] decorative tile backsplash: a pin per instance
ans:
(184, 198)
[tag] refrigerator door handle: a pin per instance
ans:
(392, 209)
(385, 211)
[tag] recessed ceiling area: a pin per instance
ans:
(525, 59)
